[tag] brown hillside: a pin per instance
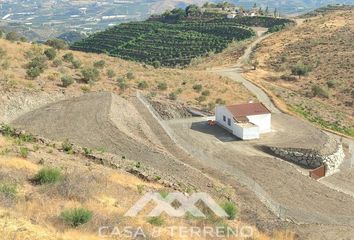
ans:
(325, 45)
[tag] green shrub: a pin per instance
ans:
(111, 73)
(51, 53)
(8, 190)
(67, 147)
(319, 91)
(67, 80)
(206, 93)
(156, 221)
(220, 101)
(99, 64)
(201, 99)
(90, 75)
(130, 75)
(230, 209)
(300, 69)
(39, 62)
(197, 87)
(76, 217)
(122, 84)
(76, 63)
(57, 62)
(162, 86)
(33, 73)
(47, 176)
(143, 85)
(172, 96)
(58, 44)
(24, 152)
(331, 83)
(68, 57)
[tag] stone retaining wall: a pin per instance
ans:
(311, 158)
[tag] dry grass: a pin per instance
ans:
(106, 192)
(181, 81)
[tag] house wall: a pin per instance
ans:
(219, 113)
(246, 133)
(251, 133)
(264, 122)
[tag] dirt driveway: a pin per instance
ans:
(279, 184)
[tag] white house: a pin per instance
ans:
(245, 121)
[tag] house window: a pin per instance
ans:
(229, 121)
(224, 118)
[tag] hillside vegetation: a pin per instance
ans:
(311, 68)
(175, 43)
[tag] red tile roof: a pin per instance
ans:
(241, 111)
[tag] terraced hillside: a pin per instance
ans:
(158, 43)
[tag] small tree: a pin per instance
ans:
(33, 72)
(90, 75)
(67, 80)
(122, 84)
(51, 53)
(300, 69)
(172, 96)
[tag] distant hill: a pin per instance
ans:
(311, 68)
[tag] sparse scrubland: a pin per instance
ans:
(310, 67)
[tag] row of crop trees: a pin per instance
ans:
(168, 44)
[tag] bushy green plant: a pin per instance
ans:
(172, 96)
(143, 85)
(220, 101)
(67, 147)
(206, 93)
(90, 75)
(68, 57)
(320, 91)
(156, 64)
(230, 209)
(162, 86)
(51, 53)
(111, 73)
(197, 87)
(58, 44)
(76, 63)
(122, 84)
(300, 69)
(130, 75)
(33, 73)
(99, 64)
(331, 83)
(24, 152)
(13, 36)
(47, 175)
(67, 80)
(201, 98)
(57, 62)
(76, 217)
